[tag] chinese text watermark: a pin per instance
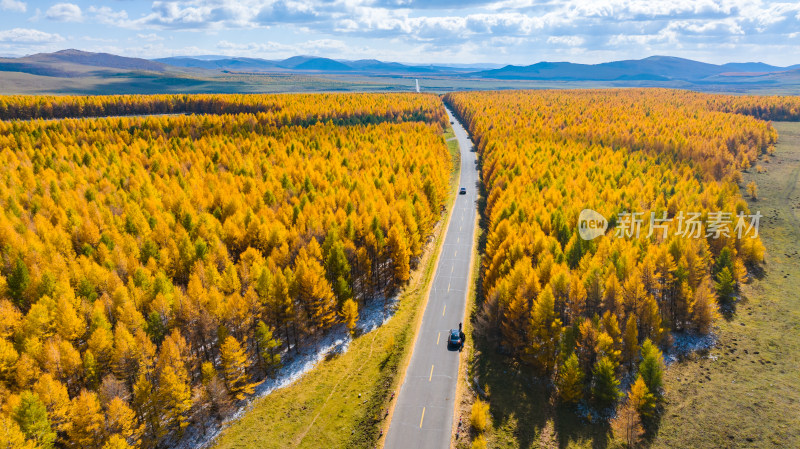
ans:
(592, 224)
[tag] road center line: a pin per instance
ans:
(422, 417)
(431, 376)
(445, 308)
(438, 336)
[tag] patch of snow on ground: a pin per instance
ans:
(372, 316)
(589, 413)
(294, 366)
(685, 343)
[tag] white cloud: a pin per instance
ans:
(468, 30)
(635, 39)
(201, 14)
(325, 44)
(108, 16)
(150, 37)
(13, 5)
(28, 36)
(707, 27)
(277, 49)
(569, 41)
(65, 12)
(254, 48)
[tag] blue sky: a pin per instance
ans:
(418, 31)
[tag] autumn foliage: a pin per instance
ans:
(579, 311)
(275, 109)
(154, 269)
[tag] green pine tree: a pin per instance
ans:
(31, 416)
(651, 368)
(570, 380)
(18, 281)
(545, 332)
(266, 345)
(725, 286)
(605, 389)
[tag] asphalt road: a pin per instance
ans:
(423, 415)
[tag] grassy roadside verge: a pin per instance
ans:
(341, 403)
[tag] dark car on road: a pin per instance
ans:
(455, 340)
(463, 191)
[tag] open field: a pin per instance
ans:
(342, 402)
(151, 83)
(745, 392)
(105, 82)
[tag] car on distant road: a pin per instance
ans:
(455, 340)
(463, 191)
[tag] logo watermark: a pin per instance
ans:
(591, 224)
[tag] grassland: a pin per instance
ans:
(745, 392)
(342, 402)
(742, 393)
(115, 81)
(108, 83)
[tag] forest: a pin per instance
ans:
(298, 109)
(160, 255)
(154, 269)
(593, 317)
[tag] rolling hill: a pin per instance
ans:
(75, 63)
(305, 64)
(654, 68)
(71, 63)
(79, 72)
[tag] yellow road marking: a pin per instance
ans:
(445, 308)
(431, 376)
(438, 336)
(455, 253)
(422, 417)
(448, 286)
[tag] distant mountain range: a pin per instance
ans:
(654, 68)
(24, 74)
(315, 64)
(76, 63)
